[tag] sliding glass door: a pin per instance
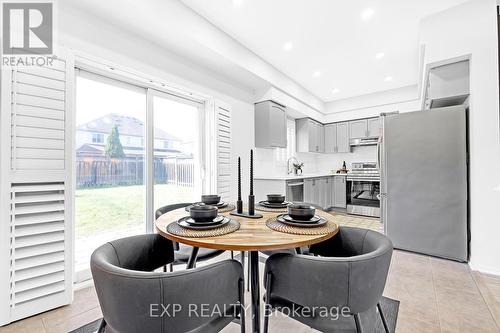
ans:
(177, 150)
(121, 176)
(109, 165)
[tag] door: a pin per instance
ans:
(374, 127)
(327, 190)
(309, 190)
(330, 138)
(312, 136)
(109, 164)
(277, 126)
(426, 174)
(321, 138)
(343, 138)
(339, 185)
(177, 145)
(317, 185)
(358, 129)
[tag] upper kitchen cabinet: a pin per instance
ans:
(270, 125)
(310, 136)
(374, 127)
(358, 129)
(337, 138)
(343, 138)
(331, 138)
(364, 128)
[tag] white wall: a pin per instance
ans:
(470, 28)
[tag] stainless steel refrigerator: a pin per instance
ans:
(422, 158)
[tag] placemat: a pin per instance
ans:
(270, 210)
(276, 225)
(229, 208)
(177, 230)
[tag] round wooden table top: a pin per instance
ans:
(253, 234)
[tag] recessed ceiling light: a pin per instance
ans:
(288, 46)
(335, 90)
(367, 13)
(317, 74)
(237, 2)
(380, 55)
(388, 78)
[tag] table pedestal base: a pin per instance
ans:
(255, 290)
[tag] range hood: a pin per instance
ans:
(363, 142)
(447, 85)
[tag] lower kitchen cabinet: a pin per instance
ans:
(326, 192)
(311, 191)
(339, 192)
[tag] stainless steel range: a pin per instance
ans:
(363, 189)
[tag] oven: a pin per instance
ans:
(363, 190)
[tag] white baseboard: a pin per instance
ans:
(485, 269)
(82, 285)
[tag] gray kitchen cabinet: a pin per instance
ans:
(358, 129)
(320, 128)
(336, 138)
(327, 190)
(309, 187)
(339, 192)
(331, 138)
(374, 127)
(310, 136)
(343, 138)
(270, 125)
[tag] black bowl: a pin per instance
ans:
(210, 199)
(204, 213)
(301, 211)
(275, 198)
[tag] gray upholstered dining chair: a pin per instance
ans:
(133, 297)
(182, 252)
(348, 272)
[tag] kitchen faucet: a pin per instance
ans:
(293, 159)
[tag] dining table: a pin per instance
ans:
(252, 236)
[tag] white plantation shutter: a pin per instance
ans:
(36, 184)
(223, 150)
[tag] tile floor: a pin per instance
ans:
(436, 295)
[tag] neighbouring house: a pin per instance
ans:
(91, 138)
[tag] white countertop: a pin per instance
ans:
(303, 176)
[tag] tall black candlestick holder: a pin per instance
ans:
(239, 202)
(251, 197)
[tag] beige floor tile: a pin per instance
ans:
(29, 325)
(63, 325)
(461, 306)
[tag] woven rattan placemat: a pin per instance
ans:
(229, 208)
(276, 225)
(270, 210)
(177, 230)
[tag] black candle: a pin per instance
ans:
(251, 172)
(239, 179)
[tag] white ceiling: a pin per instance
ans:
(329, 36)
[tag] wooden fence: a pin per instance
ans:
(99, 172)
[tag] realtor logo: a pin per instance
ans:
(27, 28)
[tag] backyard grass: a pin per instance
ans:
(115, 208)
